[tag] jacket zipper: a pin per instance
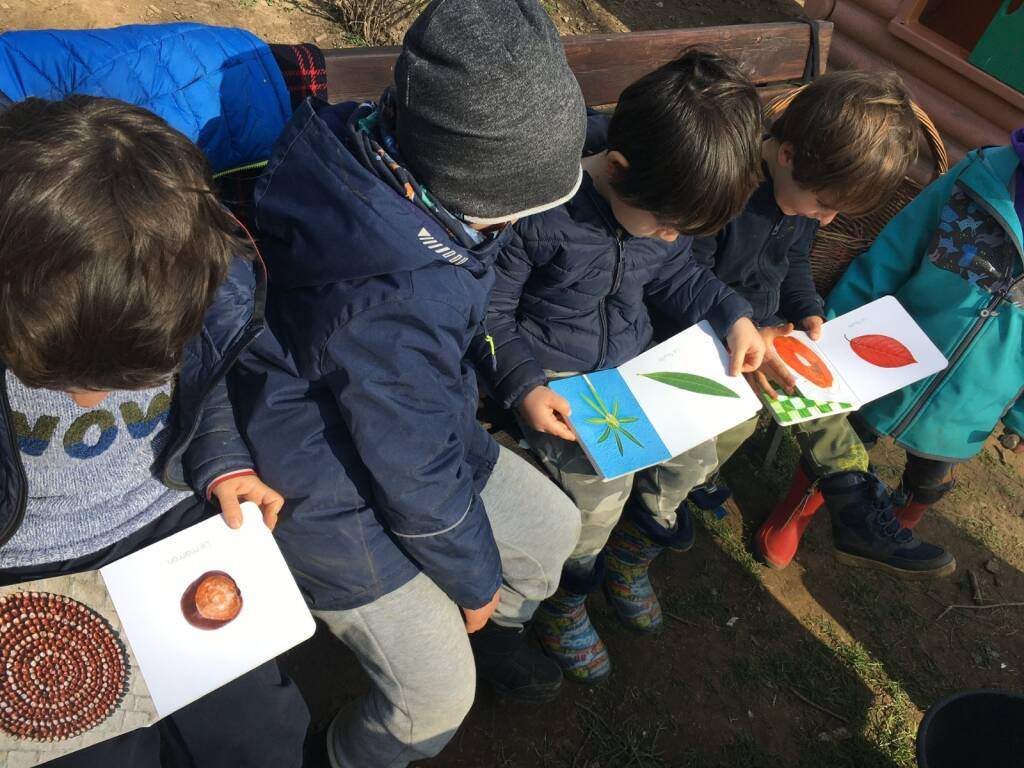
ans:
(603, 309)
(12, 438)
(973, 331)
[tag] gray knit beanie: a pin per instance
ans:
(489, 116)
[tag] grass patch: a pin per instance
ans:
(891, 722)
(732, 542)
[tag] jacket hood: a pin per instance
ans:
(323, 217)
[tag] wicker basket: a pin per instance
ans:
(847, 236)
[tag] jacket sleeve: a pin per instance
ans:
(690, 293)
(896, 253)
(217, 447)
(798, 298)
(404, 408)
(512, 371)
(705, 249)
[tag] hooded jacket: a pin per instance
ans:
(357, 403)
(954, 258)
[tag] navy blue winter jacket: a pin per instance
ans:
(206, 441)
(764, 255)
(356, 403)
(570, 289)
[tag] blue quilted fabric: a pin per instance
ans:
(218, 86)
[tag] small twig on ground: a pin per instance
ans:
(818, 707)
(596, 716)
(976, 595)
(979, 607)
(576, 757)
(680, 619)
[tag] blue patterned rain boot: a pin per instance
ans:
(632, 547)
(565, 632)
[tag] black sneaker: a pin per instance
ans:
(514, 665)
(867, 535)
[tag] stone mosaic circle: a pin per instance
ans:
(64, 669)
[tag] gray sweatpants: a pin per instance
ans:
(413, 644)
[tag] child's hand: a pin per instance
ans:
(544, 410)
(812, 326)
(772, 366)
(231, 492)
(745, 346)
(475, 618)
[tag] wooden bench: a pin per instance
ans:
(776, 56)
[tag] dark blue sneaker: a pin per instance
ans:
(711, 497)
(867, 534)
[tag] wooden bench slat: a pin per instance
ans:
(605, 64)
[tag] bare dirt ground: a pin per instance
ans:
(817, 665)
(290, 21)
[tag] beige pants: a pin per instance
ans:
(659, 489)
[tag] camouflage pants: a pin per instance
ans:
(828, 445)
(659, 490)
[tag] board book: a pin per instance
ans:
(90, 656)
(660, 404)
(861, 356)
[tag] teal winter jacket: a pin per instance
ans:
(954, 258)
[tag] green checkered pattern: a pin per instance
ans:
(788, 409)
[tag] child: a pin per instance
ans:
(844, 143)
(406, 525)
(569, 297)
(123, 301)
(953, 257)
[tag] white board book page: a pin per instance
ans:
(90, 656)
(660, 404)
(861, 356)
(183, 656)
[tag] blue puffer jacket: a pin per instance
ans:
(570, 293)
(218, 86)
(764, 255)
(356, 402)
(206, 443)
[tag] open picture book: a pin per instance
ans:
(660, 404)
(96, 654)
(861, 356)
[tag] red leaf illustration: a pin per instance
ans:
(883, 351)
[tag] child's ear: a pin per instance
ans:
(786, 154)
(616, 161)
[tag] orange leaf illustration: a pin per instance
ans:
(883, 351)
(802, 359)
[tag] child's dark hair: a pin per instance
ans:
(854, 135)
(690, 131)
(112, 244)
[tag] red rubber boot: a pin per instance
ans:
(779, 536)
(910, 514)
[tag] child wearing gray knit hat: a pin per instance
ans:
(489, 115)
(407, 527)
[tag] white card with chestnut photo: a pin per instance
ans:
(87, 657)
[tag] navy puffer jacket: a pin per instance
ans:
(570, 293)
(357, 402)
(764, 255)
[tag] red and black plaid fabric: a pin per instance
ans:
(304, 70)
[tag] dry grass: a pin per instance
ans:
(374, 22)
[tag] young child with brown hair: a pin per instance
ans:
(125, 296)
(680, 158)
(844, 143)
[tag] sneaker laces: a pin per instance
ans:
(887, 525)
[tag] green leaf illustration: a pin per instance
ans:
(691, 383)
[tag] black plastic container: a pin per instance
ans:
(973, 729)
